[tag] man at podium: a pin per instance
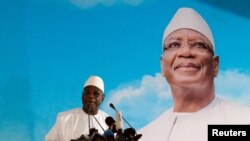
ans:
(74, 123)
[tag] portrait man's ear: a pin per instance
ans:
(216, 65)
(162, 66)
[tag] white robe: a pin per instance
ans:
(171, 126)
(74, 123)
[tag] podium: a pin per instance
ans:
(128, 135)
(94, 137)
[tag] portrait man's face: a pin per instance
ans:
(188, 58)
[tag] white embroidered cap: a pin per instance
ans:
(190, 19)
(95, 81)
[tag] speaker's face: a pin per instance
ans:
(92, 97)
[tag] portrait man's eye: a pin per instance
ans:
(173, 45)
(200, 45)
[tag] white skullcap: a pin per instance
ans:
(95, 81)
(189, 18)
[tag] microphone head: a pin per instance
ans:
(112, 106)
(109, 121)
(130, 133)
(109, 133)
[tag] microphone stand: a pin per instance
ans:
(113, 107)
(129, 134)
(98, 123)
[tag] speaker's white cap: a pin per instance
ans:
(95, 81)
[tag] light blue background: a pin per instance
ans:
(48, 49)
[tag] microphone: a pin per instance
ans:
(90, 111)
(98, 123)
(112, 127)
(129, 133)
(109, 121)
(113, 107)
